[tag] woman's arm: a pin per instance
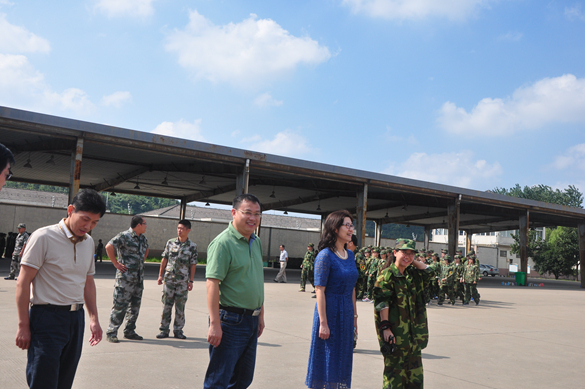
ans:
(322, 310)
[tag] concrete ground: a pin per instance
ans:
(518, 337)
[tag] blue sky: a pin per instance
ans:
(472, 93)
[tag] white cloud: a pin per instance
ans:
(417, 9)
(548, 101)
(266, 100)
(286, 143)
(243, 53)
(16, 39)
(392, 138)
(458, 169)
(574, 12)
(513, 36)
(23, 85)
(132, 8)
(116, 99)
(181, 129)
(573, 158)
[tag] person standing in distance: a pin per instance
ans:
(6, 162)
(17, 253)
(235, 297)
(178, 266)
(58, 262)
(132, 248)
(281, 276)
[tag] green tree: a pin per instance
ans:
(570, 196)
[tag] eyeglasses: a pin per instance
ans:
(9, 175)
(349, 226)
(250, 214)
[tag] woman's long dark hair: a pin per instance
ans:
(332, 223)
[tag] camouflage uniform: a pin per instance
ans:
(372, 274)
(362, 279)
(308, 271)
(471, 276)
(19, 243)
(129, 285)
(180, 257)
(446, 283)
(403, 295)
(458, 286)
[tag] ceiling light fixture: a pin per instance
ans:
(51, 160)
(285, 213)
(27, 164)
(165, 182)
(137, 186)
(207, 204)
(203, 182)
(272, 196)
(319, 205)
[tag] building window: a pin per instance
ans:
(503, 253)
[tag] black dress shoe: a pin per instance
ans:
(180, 335)
(162, 335)
(133, 336)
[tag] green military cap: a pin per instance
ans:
(431, 251)
(21, 225)
(435, 255)
(376, 250)
(447, 258)
(471, 252)
(362, 249)
(457, 256)
(311, 245)
(459, 251)
(368, 250)
(445, 251)
(383, 252)
(370, 246)
(405, 244)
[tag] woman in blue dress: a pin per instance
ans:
(335, 319)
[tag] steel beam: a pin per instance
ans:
(107, 185)
(581, 231)
(468, 236)
(427, 237)
(378, 233)
(208, 193)
(361, 214)
(243, 178)
(453, 218)
(523, 227)
(183, 209)
(75, 176)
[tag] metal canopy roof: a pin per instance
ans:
(117, 159)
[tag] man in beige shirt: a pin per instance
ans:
(58, 262)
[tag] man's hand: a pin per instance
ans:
(120, 267)
(23, 337)
(96, 333)
(160, 280)
(189, 286)
(214, 334)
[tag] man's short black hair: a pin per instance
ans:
(354, 240)
(6, 157)
(88, 200)
(283, 246)
(246, 197)
(136, 220)
(185, 223)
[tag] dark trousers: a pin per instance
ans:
(55, 347)
(231, 364)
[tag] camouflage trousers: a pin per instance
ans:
(127, 299)
(174, 293)
(307, 274)
(446, 289)
(471, 291)
(458, 288)
(370, 285)
(359, 287)
(14, 266)
(403, 372)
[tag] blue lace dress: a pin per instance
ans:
(330, 361)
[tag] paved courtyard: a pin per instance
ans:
(518, 337)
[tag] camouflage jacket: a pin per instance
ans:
(360, 264)
(130, 249)
(19, 243)
(180, 257)
(403, 294)
(458, 271)
(447, 274)
(309, 260)
(373, 267)
(471, 274)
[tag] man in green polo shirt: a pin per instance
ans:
(235, 297)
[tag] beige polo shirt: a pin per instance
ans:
(63, 266)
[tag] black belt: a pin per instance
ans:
(72, 307)
(241, 311)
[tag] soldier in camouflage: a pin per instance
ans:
(401, 316)
(470, 278)
(177, 270)
(308, 265)
(446, 281)
(132, 249)
(372, 273)
(360, 260)
(19, 244)
(458, 270)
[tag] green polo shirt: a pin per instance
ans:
(237, 264)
